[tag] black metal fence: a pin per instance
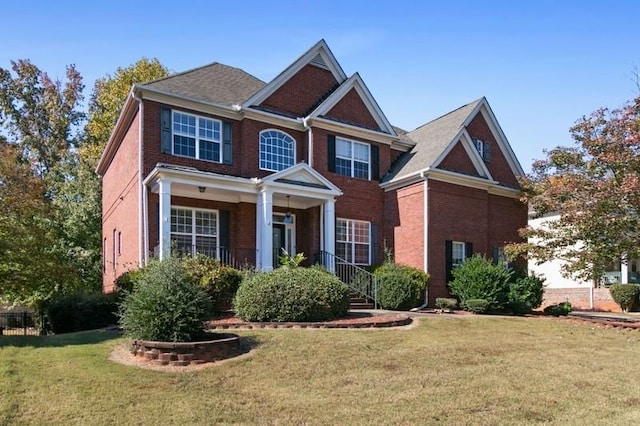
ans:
(23, 323)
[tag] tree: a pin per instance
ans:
(595, 187)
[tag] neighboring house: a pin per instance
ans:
(213, 160)
(581, 294)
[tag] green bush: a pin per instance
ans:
(525, 293)
(292, 294)
(400, 286)
(561, 309)
(446, 303)
(479, 278)
(165, 305)
(220, 282)
(625, 295)
(82, 311)
(126, 281)
(477, 306)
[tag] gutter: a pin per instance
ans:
(306, 126)
(425, 226)
(141, 191)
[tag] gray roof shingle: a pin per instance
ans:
(216, 83)
(431, 139)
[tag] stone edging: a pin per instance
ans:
(368, 322)
(180, 354)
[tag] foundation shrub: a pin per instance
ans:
(477, 306)
(165, 305)
(220, 281)
(292, 294)
(525, 293)
(625, 295)
(82, 311)
(128, 280)
(400, 287)
(446, 303)
(479, 278)
(560, 309)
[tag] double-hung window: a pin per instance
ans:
(352, 158)
(457, 253)
(197, 137)
(353, 241)
(277, 150)
(194, 231)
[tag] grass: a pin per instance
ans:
(470, 370)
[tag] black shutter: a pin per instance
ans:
(375, 162)
(331, 153)
(165, 129)
(224, 230)
(495, 254)
(448, 256)
(486, 152)
(227, 142)
(375, 243)
(468, 250)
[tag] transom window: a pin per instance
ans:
(457, 253)
(353, 241)
(277, 150)
(352, 158)
(194, 231)
(197, 137)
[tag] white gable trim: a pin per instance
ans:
(302, 172)
(464, 139)
(484, 109)
(320, 48)
(356, 82)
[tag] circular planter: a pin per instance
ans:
(222, 346)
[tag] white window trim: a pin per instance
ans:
(464, 254)
(353, 243)
(197, 136)
(352, 159)
(193, 233)
(260, 149)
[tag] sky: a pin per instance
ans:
(541, 64)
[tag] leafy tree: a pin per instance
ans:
(595, 187)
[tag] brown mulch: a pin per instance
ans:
(354, 320)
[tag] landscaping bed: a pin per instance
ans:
(354, 320)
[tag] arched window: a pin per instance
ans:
(277, 150)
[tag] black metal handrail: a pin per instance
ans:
(358, 279)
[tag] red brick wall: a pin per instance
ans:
(580, 298)
(405, 224)
(458, 160)
(498, 166)
(350, 109)
(120, 188)
(302, 91)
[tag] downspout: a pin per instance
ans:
(141, 213)
(425, 232)
(309, 139)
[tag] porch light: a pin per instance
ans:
(202, 189)
(287, 217)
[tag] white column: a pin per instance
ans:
(329, 226)
(264, 230)
(164, 219)
(624, 272)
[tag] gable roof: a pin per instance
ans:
(216, 83)
(319, 55)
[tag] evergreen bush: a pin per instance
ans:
(400, 287)
(82, 311)
(560, 309)
(126, 281)
(446, 303)
(292, 294)
(220, 282)
(479, 278)
(165, 305)
(477, 306)
(625, 295)
(525, 293)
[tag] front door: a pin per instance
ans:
(279, 243)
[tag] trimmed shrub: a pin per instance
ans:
(220, 282)
(126, 281)
(82, 311)
(477, 306)
(561, 309)
(292, 294)
(625, 295)
(400, 287)
(165, 305)
(478, 278)
(525, 293)
(446, 303)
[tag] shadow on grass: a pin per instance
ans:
(60, 340)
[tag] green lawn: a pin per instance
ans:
(462, 370)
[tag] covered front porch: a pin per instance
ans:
(238, 220)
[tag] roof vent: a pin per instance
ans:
(318, 61)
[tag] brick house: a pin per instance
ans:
(213, 160)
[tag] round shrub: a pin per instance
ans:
(126, 281)
(478, 278)
(82, 311)
(165, 305)
(446, 303)
(292, 294)
(477, 306)
(220, 282)
(400, 287)
(561, 309)
(525, 293)
(625, 295)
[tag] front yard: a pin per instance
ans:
(462, 370)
